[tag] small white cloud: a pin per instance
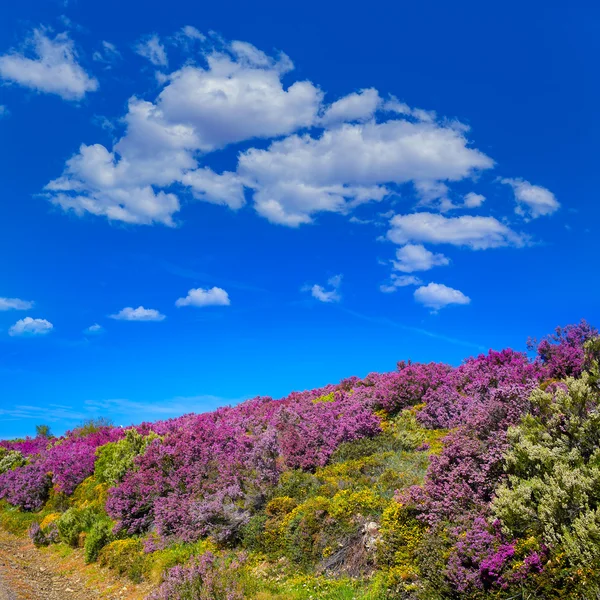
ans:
(29, 326)
(54, 69)
(473, 200)
(323, 295)
(477, 233)
(152, 49)
(4, 112)
(138, 314)
(359, 106)
(214, 296)
(15, 304)
(108, 54)
(94, 329)
(532, 200)
(438, 295)
(192, 33)
(415, 257)
(394, 105)
(398, 281)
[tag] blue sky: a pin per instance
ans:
(206, 202)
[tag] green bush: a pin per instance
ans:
(99, 536)
(10, 459)
(116, 458)
(73, 523)
(125, 557)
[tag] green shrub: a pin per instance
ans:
(297, 484)
(99, 536)
(125, 557)
(116, 458)
(10, 459)
(73, 523)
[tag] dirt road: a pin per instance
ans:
(27, 573)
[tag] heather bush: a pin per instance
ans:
(43, 535)
(27, 487)
(205, 578)
(563, 352)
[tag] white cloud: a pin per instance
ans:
(438, 295)
(29, 326)
(4, 112)
(94, 329)
(152, 49)
(477, 233)
(53, 69)
(532, 200)
(226, 189)
(238, 96)
(193, 33)
(138, 314)
(15, 304)
(415, 257)
(301, 175)
(320, 293)
(401, 108)
(359, 106)
(214, 296)
(108, 54)
(398, 281)
(473, 200)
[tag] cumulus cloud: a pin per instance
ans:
(214, 296)
(15, 304)
(226, 189)
(321, 158)
(398, 281)
(94, 329)
(359, 106)
(153, 49)
(477, 233)
(438, 295)
(301, 175)
(48, 65)
(29, 326)
(532, 200)
(237, 96)
(473, 200)
(326, 295)
(138, 314)
(415, 257)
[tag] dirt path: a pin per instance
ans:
(27, 573)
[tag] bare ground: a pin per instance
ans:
(27, 573)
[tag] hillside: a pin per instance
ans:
(428, 482)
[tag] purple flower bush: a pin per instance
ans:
(205, 578)
(26, 487)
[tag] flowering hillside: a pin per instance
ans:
(428, 482)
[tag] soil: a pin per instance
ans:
(27, 573)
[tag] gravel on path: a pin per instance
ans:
(27, 573)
